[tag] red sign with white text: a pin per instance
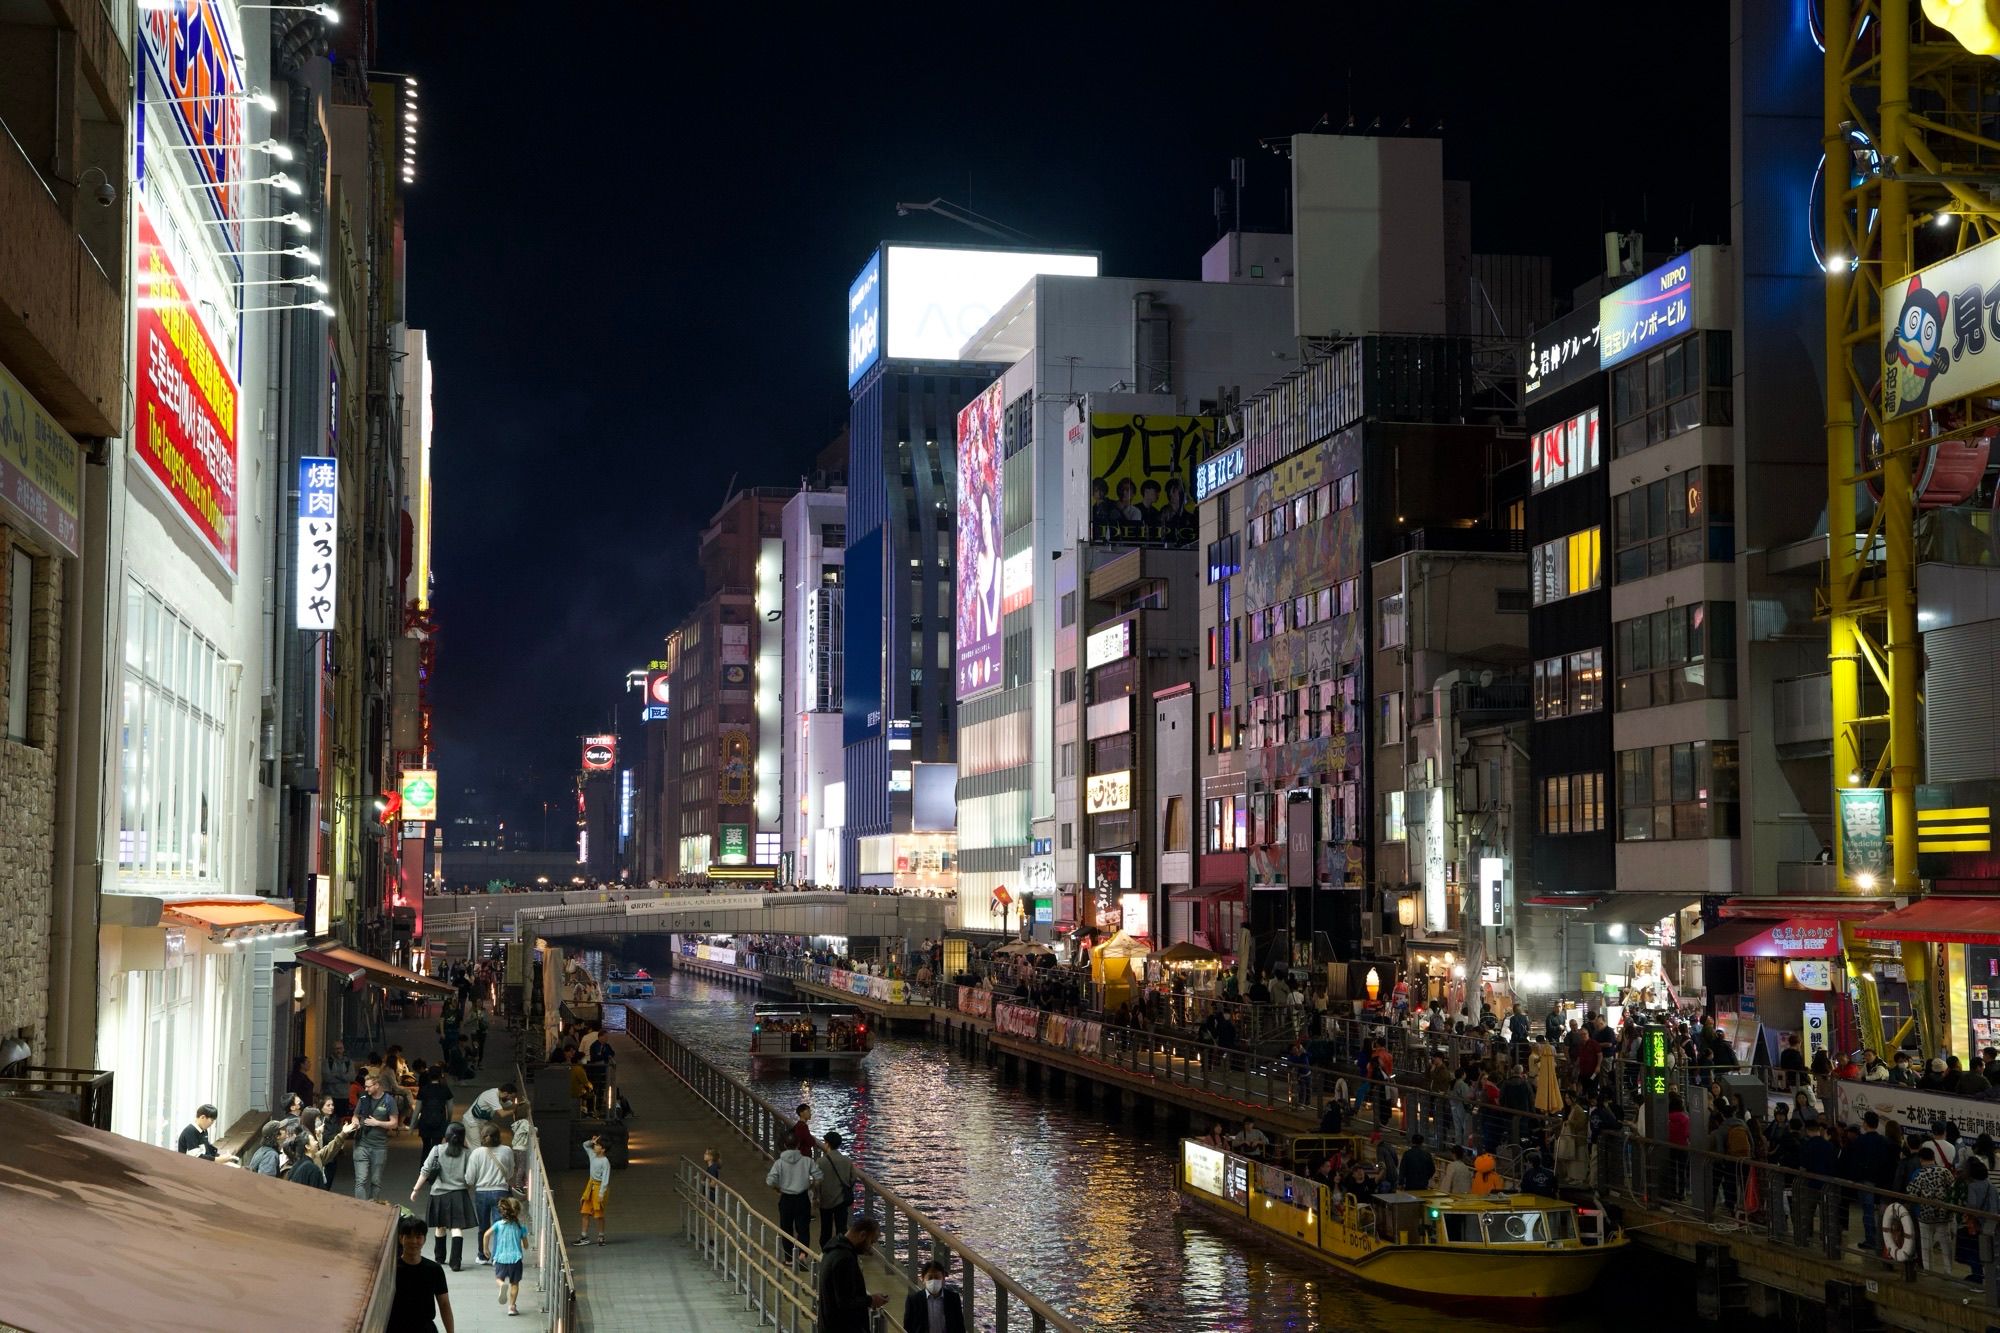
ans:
(184, 422)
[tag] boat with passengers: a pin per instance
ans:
(812, 1034)
(1516, 1249)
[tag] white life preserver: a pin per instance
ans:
(1899, 1232)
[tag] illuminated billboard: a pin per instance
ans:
(184, 413)
(193, 76)
(1646, 312)
(1142, 475)
(980, 576)
(1107, 645)
(864, 320)
(600, 754)
(925, 302)
(419, 793)
(314, 560)
(1106, 793)
(1938, 341)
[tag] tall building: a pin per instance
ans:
(1031, 536)
(911, 311)
(815, 542)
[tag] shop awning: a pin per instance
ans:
(126, 1235)
(346, 962)
(1941, 921)
(223, 916)
(1631, 909)
(1568, 902)
(1799, 937)
(1784, 909)
(1199, 893)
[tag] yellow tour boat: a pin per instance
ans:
(1522, 1248)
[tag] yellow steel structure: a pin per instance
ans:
(1915, 94)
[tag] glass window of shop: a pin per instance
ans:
(1681, 653)
(1570, 684)
(1688, 790)
(1228, 824)
(171, 756)
(1679, 387)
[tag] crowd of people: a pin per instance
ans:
(626, 891)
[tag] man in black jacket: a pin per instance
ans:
(1416, 1168)
(844, 1300)
(1868, 1159)
(933, 1307)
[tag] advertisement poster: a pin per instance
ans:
(1646, 312)
(1142, 475)
(41, 467)
(1864, 828)
(194, 74)
(184, 412)
(1816, 1030)
(1937, 342)
(980, 558)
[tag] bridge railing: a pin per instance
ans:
(909, 1239)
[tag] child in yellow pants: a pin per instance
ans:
(596, 1191)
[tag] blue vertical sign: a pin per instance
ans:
(314, 560)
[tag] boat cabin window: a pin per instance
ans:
(1461, 1228)
(1561, 1224)
(1516, 1229)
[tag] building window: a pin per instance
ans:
(1393, 828)
(20, 619)
(1674, 522)
(1069, 759)
(1067, 837)
(1389, 719)
(1068, 686)
(1225, 557)
(1389, 622)
(171, 754)
(1677, 791)
(1228, 824)
(1684, 385)
(1569, 684)
(1565, 450)
(1681, 653)
(1567, 566)
(767, 849)
(1069, 608)
(1573, 803)
(1174, 836)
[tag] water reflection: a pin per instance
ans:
(1079, 1207)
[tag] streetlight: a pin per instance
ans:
(296, 252)
(289, 219)
(279, 179)
(326, 12)
(320, 306)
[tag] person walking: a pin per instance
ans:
(452, 1207)
(845, 1303)
(375, 1114)
(505, 1240)
(795, 1177)
(490, 1173)
(1933, 1183)
(595, 1190)
(337, 1076)
(433, 1108)
(479, 1027)
(933, 1307)
(421, 1286)
(836, 1188)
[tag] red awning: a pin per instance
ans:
(1800, 937)
(1941, 921)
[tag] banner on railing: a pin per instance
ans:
(713, 953)
(894, 992)
(1908, 1107)
(978, 1003)
(1017, 1020)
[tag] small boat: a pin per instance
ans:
(636, 986)
(1515, 1249)
(809, 1035)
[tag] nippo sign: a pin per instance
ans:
(600, 753)
(184, 415)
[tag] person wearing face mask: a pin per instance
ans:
(933, 1307)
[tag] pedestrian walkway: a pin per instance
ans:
(645, 1278)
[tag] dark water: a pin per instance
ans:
(1081, 1208)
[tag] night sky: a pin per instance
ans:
(634, 225)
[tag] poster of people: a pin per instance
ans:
(979, 551)
(1141, 475)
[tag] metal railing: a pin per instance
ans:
(748, 1251)
(547, 1264)
(909, 1240)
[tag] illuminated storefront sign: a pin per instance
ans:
(1104, 793)
(735, 845)
(1107, 645)
(1938, 339)
(1492, 891)
(864, 320)
(1653, 1061)
(1138, 910)
(1646, 312)
(192, 79)
(600, 753)
(1213, 475)
(419, 791)
(1017, 581)
(315, 561)
(1565, 450)
(184, 411)
(1562, 353)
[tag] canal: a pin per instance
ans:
(1080, 1206)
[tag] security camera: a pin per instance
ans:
(106, 195)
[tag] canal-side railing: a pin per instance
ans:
(909, 1239)
(548, 1263)
(748, 1251)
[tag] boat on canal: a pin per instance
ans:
(810, 1035)
(637, 985)
(1425, 1245)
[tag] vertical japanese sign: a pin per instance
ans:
(1864, 823)
(1941, 332)
(184, 417)
(980, 558)
(319, 486)
(1814, 1014)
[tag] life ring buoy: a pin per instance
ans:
(1899, 1232)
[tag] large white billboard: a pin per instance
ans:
(936, 298)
